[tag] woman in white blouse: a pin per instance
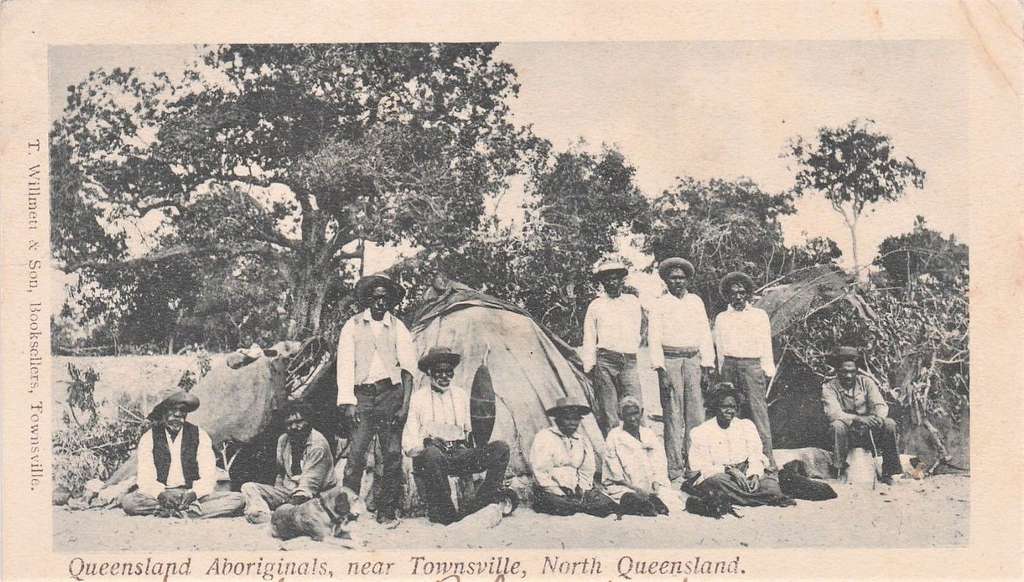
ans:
(727, 452)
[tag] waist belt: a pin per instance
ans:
(742, 360)
(378, 387)
(674, 352)
(613, 355)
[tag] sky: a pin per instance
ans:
(711, 109)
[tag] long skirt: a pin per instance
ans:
(767, 492)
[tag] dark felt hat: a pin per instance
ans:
(668, 265)
(368, 283)
(177, 398)
(735, 277)
(438, 354)
(609, 268)
(568, 404)
(845, 353)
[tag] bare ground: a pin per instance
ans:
(929, 513)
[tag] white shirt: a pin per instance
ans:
(612, 324)
(146, 477)
(630, 463)
(562, 461)
(444, 415)
(682, 323)
(745, 334)
(712, 447)
(404, 349)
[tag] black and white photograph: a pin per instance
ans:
(488, 296)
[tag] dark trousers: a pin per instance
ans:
(614, 376)
(631, 504)
(767, 492)
(376, 405)
(682, 406)
(433, 466)
(844, 437)
(592, 502)
(750, 381)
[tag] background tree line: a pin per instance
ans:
(260, 177)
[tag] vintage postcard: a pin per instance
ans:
(458, 291)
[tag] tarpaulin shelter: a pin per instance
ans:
(530, 367)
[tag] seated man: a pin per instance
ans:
(305, 468)
(177, 470)
(563, 466)
(727, 452)
(635, 468)
(437, 436)
(857, 415)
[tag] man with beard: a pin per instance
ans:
(743, 338)
(177, 470)
(857, 415)
(438, 437)
(563, 465)
(726, 451)
(611, 337)
(305, 468)
(376, 358)
(683, 354)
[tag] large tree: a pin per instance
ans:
(297, 154)
(854, 167)
(721, 226)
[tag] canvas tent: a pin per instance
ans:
(531, 367)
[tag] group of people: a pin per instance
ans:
(719, 444)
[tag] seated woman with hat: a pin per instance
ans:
(727, 453)
(177, 469)
(563, 465)
(438, 438)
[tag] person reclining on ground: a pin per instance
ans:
(635, 468)
(438, 437)
(563, 465)
(728, 454)
(305, 468)
(177, 469)
(857, 415)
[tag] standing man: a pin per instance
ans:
(611, 337)
(438, 437)
(743, 338)
(177, 470)
(858, 415)
(375, 362)
(305, 468)
(682, 351)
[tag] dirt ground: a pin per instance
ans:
(928, 513)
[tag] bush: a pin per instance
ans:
(86, 445)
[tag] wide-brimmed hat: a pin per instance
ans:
(609, 268)
(568, 404)
(844, 353)
(668, 265)
(368, 283)
(178, 397)
(735, 277)
(438, 354)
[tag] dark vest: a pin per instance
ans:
(189, 448)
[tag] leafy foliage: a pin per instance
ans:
(579, 204)
(853, 167)
(286, 152)
(93, 446)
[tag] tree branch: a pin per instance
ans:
(170, 253)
